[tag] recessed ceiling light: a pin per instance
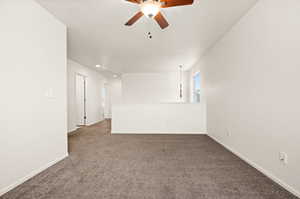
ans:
(115, 76)
(98, 66)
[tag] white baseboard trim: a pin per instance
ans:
(158, 133)
(259, 168)
(30, 175)
(72, 130)
(97, 122)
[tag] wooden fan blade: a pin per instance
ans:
(133, 1)
(162, 22)
(173, 3)
(134, 19)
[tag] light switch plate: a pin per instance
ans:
(49, 93)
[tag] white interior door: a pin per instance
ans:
(81, 99)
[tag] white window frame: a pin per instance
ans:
(196, 99)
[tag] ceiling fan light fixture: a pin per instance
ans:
(150, 8)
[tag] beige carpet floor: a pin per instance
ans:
(104, 166)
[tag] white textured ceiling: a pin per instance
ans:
(97, 35)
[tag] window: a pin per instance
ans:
(196, 88)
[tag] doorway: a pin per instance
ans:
(81, 100)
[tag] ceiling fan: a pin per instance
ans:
(151, 9)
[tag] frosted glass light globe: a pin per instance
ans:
(150, 8)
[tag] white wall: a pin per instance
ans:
(159, 118)
(94, 94)
(115, 91)
(252, 86)
(33, 119)
(153, 87)
(113, 95)
(150, 106)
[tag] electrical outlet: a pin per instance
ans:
(283, 157)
